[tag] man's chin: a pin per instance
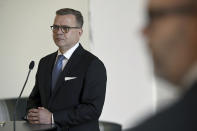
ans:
(60, 44)
(160, 74)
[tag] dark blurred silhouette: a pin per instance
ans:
(171, 34)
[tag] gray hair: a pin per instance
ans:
(77, 14)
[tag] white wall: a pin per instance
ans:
(116, 38)
(25, 35)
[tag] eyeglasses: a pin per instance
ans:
(64, 28)
(189, 10)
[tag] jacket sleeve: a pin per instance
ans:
(93, 96)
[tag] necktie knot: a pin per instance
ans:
(60, 58)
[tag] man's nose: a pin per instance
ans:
(60, 31)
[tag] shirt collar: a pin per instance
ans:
(68, 54)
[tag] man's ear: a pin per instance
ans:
(80, 32)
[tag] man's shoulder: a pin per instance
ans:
(178, 116)
(90, 57)
(49, 56)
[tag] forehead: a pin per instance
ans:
(168, 3)
(65, 19)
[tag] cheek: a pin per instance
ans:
(53, 36)
(192, 36)
(162, 42)
(68, 36)
(156, 41)
(164, 35)
(71, 36)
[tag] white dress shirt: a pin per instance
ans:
(67, 55)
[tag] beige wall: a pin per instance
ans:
(133, 92)
(25, 35)
(117, 40)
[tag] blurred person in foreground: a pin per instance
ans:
(70, 83)
(171, 34)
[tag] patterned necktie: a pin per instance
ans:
(57, 70)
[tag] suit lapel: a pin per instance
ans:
(74, 59)
(49, 75)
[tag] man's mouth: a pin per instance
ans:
(59, 39)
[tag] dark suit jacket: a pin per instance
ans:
(182, 116)
(76, 104)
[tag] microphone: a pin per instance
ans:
(31, 66)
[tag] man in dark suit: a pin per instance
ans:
(70, 83)
(171, 33)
